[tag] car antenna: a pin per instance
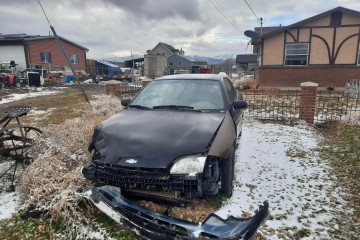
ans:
(64, 53)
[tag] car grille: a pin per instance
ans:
(144, 180)
(120, 177)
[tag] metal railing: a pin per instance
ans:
(272, 105)
(129, 90)
(336, 106)
(285, 105)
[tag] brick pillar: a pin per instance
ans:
(308, 101)
(113, 88)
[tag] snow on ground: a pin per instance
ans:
(35, 92)
(8, 204)
(280, 164)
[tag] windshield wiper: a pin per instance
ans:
(138, 106)
(176, 107)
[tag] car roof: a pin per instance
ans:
(191, 77)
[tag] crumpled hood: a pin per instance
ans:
(154, 138)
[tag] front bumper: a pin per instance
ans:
(188, 187)
(157, 226)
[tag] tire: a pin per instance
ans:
(227, 176)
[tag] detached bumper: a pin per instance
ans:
(157, 226)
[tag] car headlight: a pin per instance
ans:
(191, 165)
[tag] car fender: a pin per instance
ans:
(223, 144)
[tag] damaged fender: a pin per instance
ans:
(157, 226)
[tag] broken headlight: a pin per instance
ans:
(191, 165)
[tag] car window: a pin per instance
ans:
(198, 94)
(230, 90)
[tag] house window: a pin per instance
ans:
(179, 63)
(296, 54)
(359, 55)
(74, 59)
(45, 57)
(335, 19)
(171, 63)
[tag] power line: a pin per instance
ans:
(252, 10)
(229, 17)
(225, 15)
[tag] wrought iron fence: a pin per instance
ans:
(272, 105)
(285, 105)
(129, 90)
(336, 106)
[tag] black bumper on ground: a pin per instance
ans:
(157, 226)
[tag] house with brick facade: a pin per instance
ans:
(323, 49)
(41, 52)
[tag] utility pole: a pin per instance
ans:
(261, 23)
(133, 65)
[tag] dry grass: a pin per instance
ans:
(54, 182)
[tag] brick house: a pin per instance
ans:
(41, 52)
(323, 49)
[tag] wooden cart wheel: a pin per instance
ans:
(15, 142)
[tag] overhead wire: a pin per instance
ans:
(222, 11)
(252, 11)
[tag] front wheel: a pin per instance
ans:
(227, 177)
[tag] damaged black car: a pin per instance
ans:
(176, 139)
(173, 143)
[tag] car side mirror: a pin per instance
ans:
(125, 102)
(239, 104)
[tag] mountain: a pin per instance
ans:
(209, 60)
(226, 56)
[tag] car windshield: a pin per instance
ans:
(181, 95)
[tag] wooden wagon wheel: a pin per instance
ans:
(15, 141)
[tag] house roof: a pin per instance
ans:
(188, 58)
(171, 48)
(166, 46)
(266, 30)
(281, 29)
(108, 64)
(246, 58)
(22, 37)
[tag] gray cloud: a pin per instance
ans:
(160, 9)
(116, 27)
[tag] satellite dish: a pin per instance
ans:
(251, 34)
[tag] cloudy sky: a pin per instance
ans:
(111, 28)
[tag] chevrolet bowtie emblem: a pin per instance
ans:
(131, 161)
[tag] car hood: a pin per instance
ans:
(154, 138)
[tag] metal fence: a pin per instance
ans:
(272, 105)
(285, 105)
(336, 106)
(129, 90)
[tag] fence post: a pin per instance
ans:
(308, 101)
(113, 87)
